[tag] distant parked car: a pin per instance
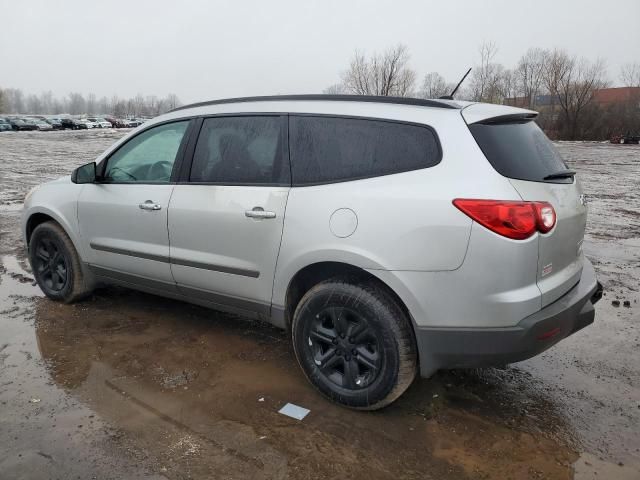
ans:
(135, 122)
(67, 123)
(5, 126)
(56, 123)
(111, 119)
(73, 124)
(627, 139)
(19, 124)
(120, 122)
(83, 124)
(100, 122)
(42, 125)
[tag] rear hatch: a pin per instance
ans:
(519, 150)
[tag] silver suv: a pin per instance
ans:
(389, 236)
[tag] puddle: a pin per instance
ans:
(15, 281)
(210, 423)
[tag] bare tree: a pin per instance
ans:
(14, 99)
(33, 104)
(335, 89)
(91, 104)
(530, 72)
(162, 106)
(630, 75)
(77, 104)
(138, 105)
(572, 83)
(385, 74)
(172, 101)
(46, 102)
(508, 84)
(434, 85)
(117, 107)
(485, 84)
(103, 105)
(3, 106)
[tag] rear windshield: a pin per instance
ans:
(519, 150)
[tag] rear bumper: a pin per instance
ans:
(478, 347)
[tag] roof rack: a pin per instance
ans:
(338, 98)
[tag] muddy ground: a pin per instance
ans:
(128, 385)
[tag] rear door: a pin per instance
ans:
(518, 149)
(226, 217)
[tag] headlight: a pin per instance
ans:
(28, 195)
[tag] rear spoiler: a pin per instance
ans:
(489, 113)
(510, 118)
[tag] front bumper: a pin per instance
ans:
(480, 347)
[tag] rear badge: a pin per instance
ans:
(583, 199)
(547, 269)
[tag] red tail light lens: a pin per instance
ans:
(515, 220)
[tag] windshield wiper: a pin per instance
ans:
(560, 174)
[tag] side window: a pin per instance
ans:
(147, 157)
(239, 151)
(327, 149)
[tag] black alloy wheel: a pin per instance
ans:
(345, 347)
(50, 265)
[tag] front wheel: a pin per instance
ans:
(56, 264)
(354, 343)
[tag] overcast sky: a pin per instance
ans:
(211, 49)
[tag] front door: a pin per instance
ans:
(225, 223)
(123, 217)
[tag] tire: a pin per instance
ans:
(56, 265)
(354, 343)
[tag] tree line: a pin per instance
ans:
(560, 85)
(14, 101)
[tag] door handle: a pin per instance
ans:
(149, 205)
(258, 212)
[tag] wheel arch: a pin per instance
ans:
(33, 221)
(40, 216)
(305, 278)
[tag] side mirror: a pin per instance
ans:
(84, 174)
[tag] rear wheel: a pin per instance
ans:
(354, 344)
(56, 264)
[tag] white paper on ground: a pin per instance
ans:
(294, 411)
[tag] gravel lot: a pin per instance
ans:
(128, 385)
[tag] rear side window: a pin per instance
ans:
(519, 150)
(241, 151)
(331, 149)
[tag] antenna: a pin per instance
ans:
(450, 97)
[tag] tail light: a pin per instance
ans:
(516, 220)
